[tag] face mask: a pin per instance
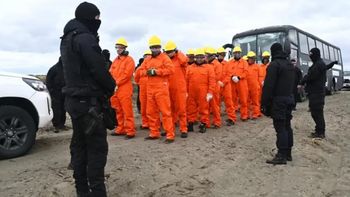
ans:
(237, 56)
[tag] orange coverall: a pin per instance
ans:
(240, 89)
(226, 91)
(178, 91)
(142, 82)
(200, 81)
(254, 89)
(158, 94)
(121, 70)
(214, 103)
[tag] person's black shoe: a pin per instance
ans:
(317, 135)
(169, 141)
(163, 134)
(277, 160)
(151, 138)
(143, 128)
(190, 127)
(128, 137)
(56, 130)
(230, 122)
(202, 128)
(216, 127)
(184, 135)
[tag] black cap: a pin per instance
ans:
(275, 48)
(315, 52)
(87, 11)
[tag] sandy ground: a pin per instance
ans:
(225, 162)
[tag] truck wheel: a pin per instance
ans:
(17, 131)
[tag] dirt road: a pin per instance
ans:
(225, 162)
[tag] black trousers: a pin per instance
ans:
(282, 116)
(59, 112)
(138, 103)
(316, 105)
(89, 157)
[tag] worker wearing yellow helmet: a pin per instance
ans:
(177, 86)
(225, 91)
(122, 70)
(141, 81)
(214, 103)
(158, 69)
(263, 68)
(239, 84)
(200, 86)
(253, 86)
(190, 56)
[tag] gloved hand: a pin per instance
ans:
(116, 88)
(209, 96)
(262, 83)
(151, 72)
(266, 110)
(235, 79)
(221, 84)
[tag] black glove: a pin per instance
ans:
(266, 110)
(330, 65)
(151, 72)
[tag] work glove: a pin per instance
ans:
(221, 84)
(151, 72)
(116, 88)
(235, 79)
(262, 83)
(209, 96)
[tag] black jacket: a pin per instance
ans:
(297, 79)
(55, 79)
(316, 77)
(83, 64)
(279, 79)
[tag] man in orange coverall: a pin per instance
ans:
(262, 74)
(201, 85)
(253, 85)
(225, 91)
(190, 56)
(177, 86)
(214, 103)
(158, 67)
(121, 70)
(239, 84)
(142, 82)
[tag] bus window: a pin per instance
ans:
(303, 43)
(339, 59)
(311, 43)
(326, 51)
(266, 40)
(293, 36)
(319, 46)
(331, 52)
(246, 43)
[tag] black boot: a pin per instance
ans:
(190, 127)
(230, 122)
(289, 155)
(202, 127)
(279, 159)
(317, 135)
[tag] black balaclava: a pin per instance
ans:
(106, 54)
(86, 13)
(315, 54)
(275, 49)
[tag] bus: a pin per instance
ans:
(297, 44)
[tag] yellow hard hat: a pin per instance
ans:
(199, 51)
(190, 52)
(245, 58)
(170, 46)
(122, 41)
(251, 54)
(154, 41)
(237, 49)
(221, 50)
(266, 54)
(147, 52)
(210, 50)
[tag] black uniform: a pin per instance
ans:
(107, 57)
(277, 101)
(298, 77)
(87, 84)
(315, 80)
(55, 83)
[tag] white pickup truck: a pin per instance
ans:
(25, 106)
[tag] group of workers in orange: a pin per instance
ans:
(179, 89)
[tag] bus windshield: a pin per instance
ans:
(259, 43)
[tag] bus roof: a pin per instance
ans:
(284, 28)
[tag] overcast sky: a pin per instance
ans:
(31, 29)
